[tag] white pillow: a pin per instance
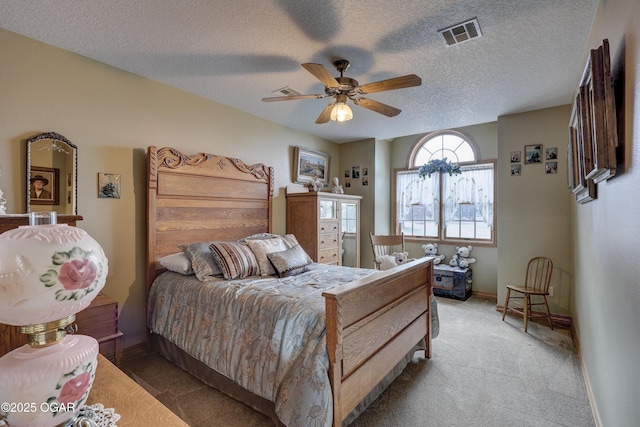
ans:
(178, 263)
(261, 248)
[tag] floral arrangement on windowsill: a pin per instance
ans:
(438, 166)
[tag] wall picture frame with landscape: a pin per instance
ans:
(309, 164)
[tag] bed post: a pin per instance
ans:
(152, 188)
(334, 349)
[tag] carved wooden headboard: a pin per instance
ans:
(202, 197)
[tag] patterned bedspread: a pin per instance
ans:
(266, 334)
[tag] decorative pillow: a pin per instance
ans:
(291, 241)
(291, 262)
(262, 247)
(236, 261)
(258, 236)
(178, 263)
(202, 262)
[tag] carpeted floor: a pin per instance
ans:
(484, 372)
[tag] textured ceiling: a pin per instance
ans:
(236, 52)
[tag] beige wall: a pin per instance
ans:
(112, 116)
(534, 209)
(606, 231)
(363, 154)
(486, 138)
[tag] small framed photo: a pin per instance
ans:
(516, 169)
(310, 164)
(355, 172)
(551, 153)
(347, 173)
(108, 185)
(365, 180)
(516, 156)
(44, 186)
(532, 154)
(551, 167)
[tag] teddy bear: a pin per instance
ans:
(462, 259)
(400, 257)
(431, 249)
(388, 261)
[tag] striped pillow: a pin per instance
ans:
(235, 260)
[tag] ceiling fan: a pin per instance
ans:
(344, 88)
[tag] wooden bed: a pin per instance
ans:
(370, 323)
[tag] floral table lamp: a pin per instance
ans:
(48, 273)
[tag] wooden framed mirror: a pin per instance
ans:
(52, 165)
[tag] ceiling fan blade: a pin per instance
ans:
(390, 84)
(321, 74)
(325, 116)
(294, 97)
(378, 107)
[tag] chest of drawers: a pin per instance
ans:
(322, 222)
(100, 321)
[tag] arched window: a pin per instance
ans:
(447, 208)
(451, 145)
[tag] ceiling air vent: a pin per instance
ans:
(460, 33)
(287, 91)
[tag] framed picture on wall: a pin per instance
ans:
(532, 154)
(310, 164)
(108, 185)
(44, 186)
(516, 169)
(578, 153)
(516, 156)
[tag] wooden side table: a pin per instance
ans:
(114, 389)
(100, 321)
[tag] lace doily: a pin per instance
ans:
(101, 416)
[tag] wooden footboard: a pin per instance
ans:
(371, 324)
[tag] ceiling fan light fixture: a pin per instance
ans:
(341, 111)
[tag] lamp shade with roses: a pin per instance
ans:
(48, 273)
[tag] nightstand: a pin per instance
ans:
(100, 321)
